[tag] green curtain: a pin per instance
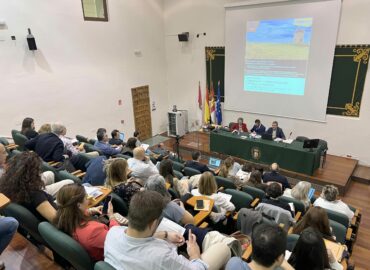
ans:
(348, 79)
(215, 67)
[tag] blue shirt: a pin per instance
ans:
(106, 148)
(95, 174)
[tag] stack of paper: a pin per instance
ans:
(93, 192)
(288, 141)
(167, 225)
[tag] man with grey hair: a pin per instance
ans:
(141, 166)
(329, 200)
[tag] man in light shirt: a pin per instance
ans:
(140, 247)
(141, 166)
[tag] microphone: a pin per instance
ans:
(290, 134)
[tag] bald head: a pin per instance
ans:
(3, 155)
(139, 153)
(274, 167)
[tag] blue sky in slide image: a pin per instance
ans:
(289, 31)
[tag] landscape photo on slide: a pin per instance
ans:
(276, 55)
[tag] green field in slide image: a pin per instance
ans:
(276, 51)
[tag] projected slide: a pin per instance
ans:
(276, 55)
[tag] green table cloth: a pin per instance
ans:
(291, 157)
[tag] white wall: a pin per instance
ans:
(186, 66)
(82, 68)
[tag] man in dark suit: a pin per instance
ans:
(275, 176)
(273, 192)
(275, 131)
(258, 128)
(195, 164)
(239, 126)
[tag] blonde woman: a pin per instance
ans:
(300, 192)
(117, 171)
(229, 168)
(208, 187)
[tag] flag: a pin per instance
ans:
(207, 115)
(199, 97)
(212, 104)
(218, 106)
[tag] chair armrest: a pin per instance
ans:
(53, 163)
(349, 234)
(81, 175)
(203, 225)
(11, 147)
(290, 231)
(247, 253)
(76, 172)
(4, 201)
(357, 212)
(255, 202)
(235, 217)
(297, 216)
(221, 189)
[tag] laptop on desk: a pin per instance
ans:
(214, 163)
(267, 136)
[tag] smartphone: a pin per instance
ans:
(200, 204)
(105, 205)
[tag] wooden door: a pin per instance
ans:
(141, 106)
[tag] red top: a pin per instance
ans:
(92, 237)
(236, 126)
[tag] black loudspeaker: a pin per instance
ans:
(31, 41)
(183, 37)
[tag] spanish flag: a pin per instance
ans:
(207, 114)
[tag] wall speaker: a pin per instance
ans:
(31, 41)
(183, 37)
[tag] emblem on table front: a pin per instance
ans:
(256, 153)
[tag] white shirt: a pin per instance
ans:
(68, 144)
(337, 206)
(222, 204)
(242, 175)
(142, 169)
(128, 253)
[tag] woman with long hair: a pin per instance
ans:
(28, 128)
(75, 219)
(22, 184)
(255, 180)
(128, 149)
(310, 253)
(300, 192)
(117, 171)
(317, 218)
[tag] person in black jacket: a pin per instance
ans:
(273, 192)
(28, 128)
(195, 163)
(275, 176)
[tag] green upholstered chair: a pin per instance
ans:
(119, 205)
(46, 167)
(239, 198)
(63, 174)
(178, 166)
(301, 138)
(298, 205)
(339, 231)
(28, 222)
(66, 247)
(338, 217)
(254, 192)
(92, 141)
(123, 156)
(91, 148)
(20, 140)
(4, 141)
(225, 183)
(102, 265)
(178, 174)
(81, 139)
(190, 171)
(14, 131)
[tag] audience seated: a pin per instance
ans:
(141, 166)
(22, 184)
(244, 172)
(28, 128)
(141, 247)
(273, 192)
(70, 145)
(310, 253)
(45, 128)
(166, 170)
(258, 128)
(128, 149)
(229, 168)
(117, 171)
(268, 250)
(316, 218)
(174, 210)
(276, 131)
(275, 176)
(329, 200)
(136, 136)
(255, 180)
(95, 174)
(103, 146)
(195, 163)
(160, 150)
(208, 187)
(115, 140)
(8, 227)
(75, 219)
(300, 192)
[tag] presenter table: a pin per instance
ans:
(289, 156)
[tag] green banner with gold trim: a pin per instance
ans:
(348, 79)
(215, 68)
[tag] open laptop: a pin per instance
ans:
(214, 163)
(267, 136)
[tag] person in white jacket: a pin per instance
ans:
(141, 165)
(208, 187)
